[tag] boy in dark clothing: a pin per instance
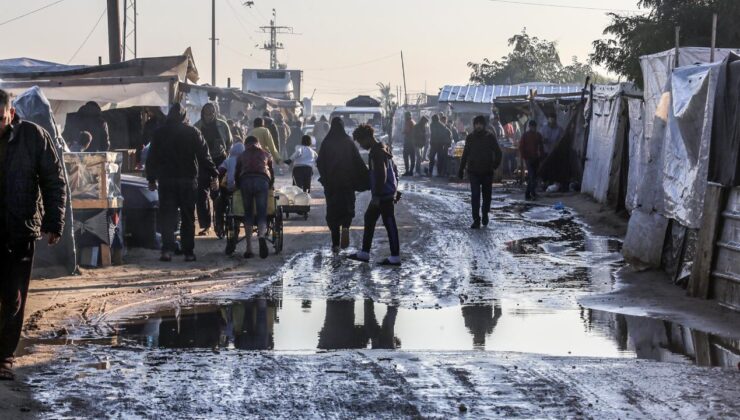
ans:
(532, 149)
(481, 156)
(384, 188)
(409, 154)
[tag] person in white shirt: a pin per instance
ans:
(303, 161)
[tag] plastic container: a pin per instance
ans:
(302, 199)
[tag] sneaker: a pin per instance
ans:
(165, 257)
(391, 262)
(358, 257)
(485, 219)
(264, 252)
(190, 258)
(475, 225)
(344, 243)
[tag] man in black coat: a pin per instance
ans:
(32, 200)
(177, 155)
(481, 156)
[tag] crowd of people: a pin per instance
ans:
(199, 168)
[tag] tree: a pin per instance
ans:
(633, 36)
(386, 102)
(531, 60)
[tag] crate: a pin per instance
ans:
(94, 179)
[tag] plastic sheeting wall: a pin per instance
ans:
(605, 127)
(657, 69)
(637, 168)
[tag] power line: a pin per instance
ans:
(31, 12)
(375, 60)
(88, 36)
(565, 6)
(236, 16)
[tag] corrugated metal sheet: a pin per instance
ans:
(487, 94)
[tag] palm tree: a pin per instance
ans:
(386, 97)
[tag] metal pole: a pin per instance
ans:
(114, 32)
(125, 29)
(136, 32)
(714, 36)
(405, 92)
(678, 45)
(213, 42)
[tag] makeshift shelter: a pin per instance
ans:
(607, 146)
(685, 170)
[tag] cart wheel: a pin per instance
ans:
(305, 216)
(277, 233)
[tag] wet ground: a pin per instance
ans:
(493, 301)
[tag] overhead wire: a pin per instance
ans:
(357, 64)
(30, 13)
(87, 38)
(565, 6)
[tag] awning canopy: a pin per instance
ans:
(181, 66)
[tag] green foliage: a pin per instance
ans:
(631, 36)
(531, 60)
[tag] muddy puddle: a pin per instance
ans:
(314, 325)
(512, 287)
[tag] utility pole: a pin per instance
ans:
(405, 93)
(114, 32)
(678, 46)
(714, 36)
(273, 46)
(129, 35)
(213, 42)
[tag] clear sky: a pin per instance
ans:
(344, 46)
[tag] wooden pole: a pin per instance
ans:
(714, 36)
(678, 45)
(405, 92)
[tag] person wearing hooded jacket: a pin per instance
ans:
(178, 157)
(217, 136)
(342, 172)
(481, 157)
(383, 176)
(92, 121)
(320, 130)
(441, 139)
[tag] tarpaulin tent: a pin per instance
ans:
(31, 105)
(672, 164)
(605, 171)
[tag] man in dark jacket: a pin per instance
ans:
(441, 139)
(218, 137)
(384, 187)
(481, 156)
(342, 172)
(93, 122)
(32, 203)
(409, 153)
(177, 156)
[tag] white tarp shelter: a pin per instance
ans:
(670, 164)
(603, 169)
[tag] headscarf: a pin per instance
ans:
(230, 163)
(337, 130)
